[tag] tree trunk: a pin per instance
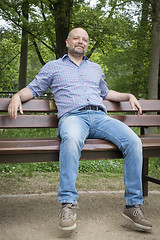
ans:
(155, 51)
(155, 55)
(62, 13)
(141, 37)
(24, 47)
(142, 30)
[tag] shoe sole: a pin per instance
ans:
(68, 228)
(142, 227)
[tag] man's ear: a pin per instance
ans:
(67, 42)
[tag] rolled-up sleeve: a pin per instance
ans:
(103, 86)
(42, 80)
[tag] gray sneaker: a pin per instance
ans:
(68, 217)
(136, 216)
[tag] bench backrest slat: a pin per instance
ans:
(34, 105)
(36, 114)
(45, 105)
(147, 106)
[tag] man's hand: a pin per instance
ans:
(122, 97)
(134, 103)
(14, 106)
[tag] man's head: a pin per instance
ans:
(77, 42)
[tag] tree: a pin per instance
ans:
(117, 42)
(18, 13)
(62, 13)
(142, 44)
(155, 51)
(24, 46)
(121, 45)
(9, 60)
(50, 20)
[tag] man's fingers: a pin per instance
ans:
(13, 109)
(14, 113)
(20, 109)
(132, 106)
(135, 105)
(139, 109)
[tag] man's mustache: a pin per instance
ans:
(79, 45)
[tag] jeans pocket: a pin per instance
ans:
(60, 122)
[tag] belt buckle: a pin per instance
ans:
(95, 108)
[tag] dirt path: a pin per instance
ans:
(35, 217)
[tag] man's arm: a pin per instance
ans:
(122, 97)
(23, 95)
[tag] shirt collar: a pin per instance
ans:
(66, 56)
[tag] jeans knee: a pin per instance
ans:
(136, 141)
(135, 145)
(72, 140)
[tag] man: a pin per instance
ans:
(78, 88)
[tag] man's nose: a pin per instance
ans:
(80, 40)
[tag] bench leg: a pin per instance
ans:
(145, 173)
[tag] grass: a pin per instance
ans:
(35, 132)
(48, 182)
(43, 182)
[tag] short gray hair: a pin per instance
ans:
(69, 34)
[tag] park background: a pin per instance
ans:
(124, 40)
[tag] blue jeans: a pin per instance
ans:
(74, 128)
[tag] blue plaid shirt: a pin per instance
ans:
(73, 87)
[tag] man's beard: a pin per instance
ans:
(77, 52)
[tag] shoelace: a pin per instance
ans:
(138, 213)
(66, 211)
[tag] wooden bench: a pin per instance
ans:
(42, 114)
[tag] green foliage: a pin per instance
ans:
(9, 66)
(33, 62)
(118, 42)
(90, 166)
(154, 166)
(27, 169)
(93, 166)
(35, 132)
(121, 45)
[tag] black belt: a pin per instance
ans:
(91, 107)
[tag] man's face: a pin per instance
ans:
(78, 42)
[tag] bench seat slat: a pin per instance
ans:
(52, 144)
